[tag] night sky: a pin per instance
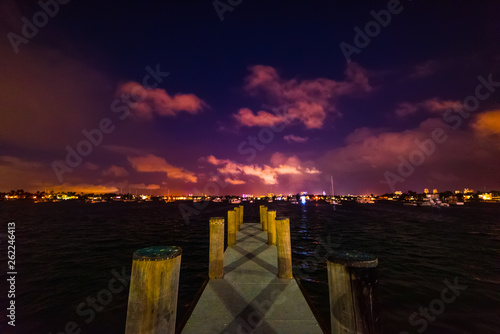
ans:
(278, 96)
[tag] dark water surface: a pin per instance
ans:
(66, 254)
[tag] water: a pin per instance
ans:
(66, 252)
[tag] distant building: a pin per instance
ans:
(434, 191)
(426, 191)
(399, 193)
(468, 191)
(486, 197)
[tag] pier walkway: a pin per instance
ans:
(251, 298)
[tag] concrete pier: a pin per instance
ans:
(251, 298)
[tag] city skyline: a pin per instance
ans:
(252, 98)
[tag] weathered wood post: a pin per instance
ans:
(271, 227)
(264, 218)
(237, 218)
(352, 281)
(261, 217)
(231, 227)
(154, 283)
(284, 247)
(241, 215)
(216, 251)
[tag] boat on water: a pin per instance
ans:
(332, 200)
(453, 200)
(42, 200)
(217, 200)
(365, 200)
(434, 201)
(440, 203)
(95, 200)
(234, 201)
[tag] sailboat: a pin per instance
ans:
(332, 199)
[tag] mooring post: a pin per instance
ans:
(271, 227)
(154, 283)
(231, 227)
(352, 281)
(237, 218)
(241, 215)
(216, 251)
(264, 218)
(284, 247)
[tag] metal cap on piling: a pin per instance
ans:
(157, 253)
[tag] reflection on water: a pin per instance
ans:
(66, 253)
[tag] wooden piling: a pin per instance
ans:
(237, 218)
(241, 215)
(154, 283)
(216, 251)
(271, 227)
(231, 227)
(352, 281)
(284, 247)
(261, 216)
(264, 218)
